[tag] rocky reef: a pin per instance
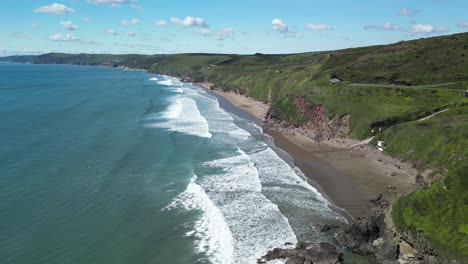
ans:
(372, 237)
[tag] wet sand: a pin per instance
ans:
(348, 177)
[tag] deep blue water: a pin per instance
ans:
(99, 165)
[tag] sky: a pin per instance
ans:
(214, 26)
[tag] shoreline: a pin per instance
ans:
(347, 177)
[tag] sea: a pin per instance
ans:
(104, 165)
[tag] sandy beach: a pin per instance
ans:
(255, 108)
(348, 177)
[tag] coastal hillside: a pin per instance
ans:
(381, 91)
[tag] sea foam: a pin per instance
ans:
(247, 183)
(212, 234)
(181, 116)
(170, 82)
(256, 224)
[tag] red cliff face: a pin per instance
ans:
(319, 127)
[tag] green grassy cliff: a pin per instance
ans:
(389, 86)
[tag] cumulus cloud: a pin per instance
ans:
(385, 26)
(318, 27)
(130, 22)
(427, 29)
(278, 25)
(408, 11)
(112, 32)
(160, 23)
(54, 9)
(463, 24)
(68, 25)
(189, 21)
(131, 34)
(66, 37)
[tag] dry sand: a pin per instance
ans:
(348, 177)
(253, 107)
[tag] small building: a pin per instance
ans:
(335, 80)
(381, 145)
(466, 93)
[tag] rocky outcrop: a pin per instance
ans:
(318, 127)
(375, 236)
(432, 175)
(360, 235)
(322, 253)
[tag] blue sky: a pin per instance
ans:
(242, 26)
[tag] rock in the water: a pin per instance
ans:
(326, 227)
(296, 260)
(322, 253)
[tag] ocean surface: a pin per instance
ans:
(100, 165)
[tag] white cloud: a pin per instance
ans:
(318, 27)
(189, 22)
(131, 34)
(130, 22)
(386, 26)
(408, 11)
(68, 25)
(24, 51)
(160, 23)
(135, 6)
(427, 29)
(293, 34)
(463, 24)
(111, 2)
(202, 31)
(60, 37)
(91, 42)
(218, 35)
(112, 32)
(278, 25)
(224, 34)
(21, 35)
(54, 9)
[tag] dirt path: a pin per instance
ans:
(432, 86)
(434, 114)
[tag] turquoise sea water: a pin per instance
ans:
(99, 165)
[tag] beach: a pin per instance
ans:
(347, 177)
